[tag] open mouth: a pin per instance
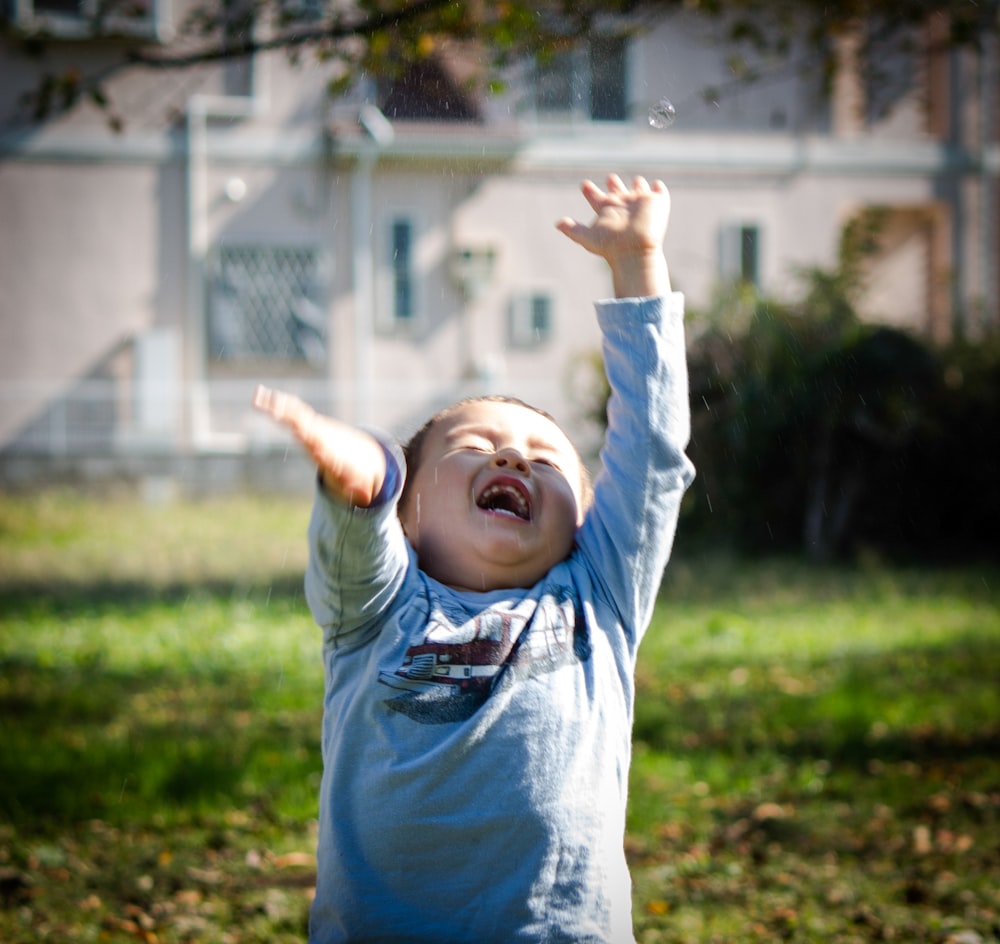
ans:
(505, 498)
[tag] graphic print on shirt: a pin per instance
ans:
(458, 661)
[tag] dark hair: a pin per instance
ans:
(413, 447)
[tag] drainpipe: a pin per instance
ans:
(200, 109)
(956, 190)
(987, 187)
(379, 134)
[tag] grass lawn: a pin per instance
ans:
(817, 751)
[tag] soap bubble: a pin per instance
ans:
(662, 114)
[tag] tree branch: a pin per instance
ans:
(290, 39)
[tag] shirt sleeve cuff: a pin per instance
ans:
(392, 484)
(649, 308)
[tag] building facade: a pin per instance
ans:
(386, 251)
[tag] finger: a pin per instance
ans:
(616, 184)
(282, 406)
(640, 184)
(262, 398)
(576, 231)
(286, 409)
(273, 402)
(593, 195)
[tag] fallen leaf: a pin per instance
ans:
(769, 811)
(294, 860)
(921, 840)
(964, 937)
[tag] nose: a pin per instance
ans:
(511, 460)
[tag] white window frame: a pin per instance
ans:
(156, 25)
(523, 331)
(580, 107)
(388, 319)
(733, 265)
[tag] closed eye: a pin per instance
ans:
(470, 444)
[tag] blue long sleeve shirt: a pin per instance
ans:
(476, 746)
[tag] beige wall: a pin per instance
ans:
(80, 274)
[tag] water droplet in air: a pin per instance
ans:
(662, 114)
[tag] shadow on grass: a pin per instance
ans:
(21, 598)
(823, 800)
(82, 738)
(86, 743)
(929, 704)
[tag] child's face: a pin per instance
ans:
(495, 500)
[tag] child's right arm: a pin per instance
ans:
(357, 561)
(351, 463)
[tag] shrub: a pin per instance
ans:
(813, 430)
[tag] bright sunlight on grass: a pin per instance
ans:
(817, 751)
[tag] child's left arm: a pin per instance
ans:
(628, 231)
(629, 530)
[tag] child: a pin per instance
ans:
(480, 623)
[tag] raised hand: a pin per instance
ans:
(628, 231)
(350, 461)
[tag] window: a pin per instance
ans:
(401, 265)
(607, 79)
(238, 21)
(84, 19)
(398, 286)
(555, 85)
(530, 320)
(739, 254)
(300, 11)
(266, 303)
(587, 82)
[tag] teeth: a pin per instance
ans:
(505, 500)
